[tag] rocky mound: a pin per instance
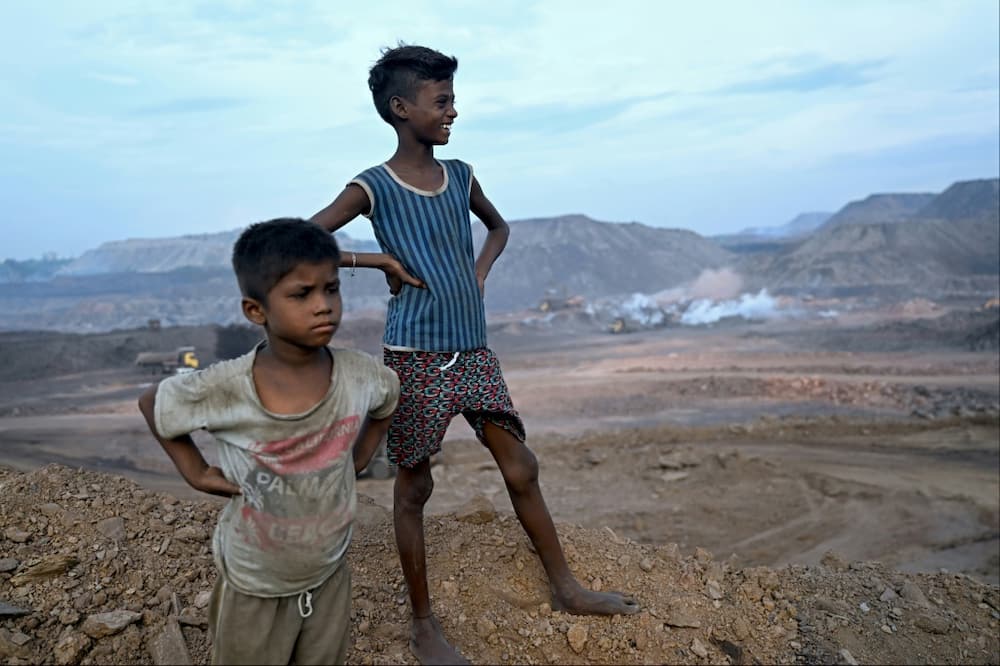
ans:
(98, 570)
(921, 256)
(575, 255)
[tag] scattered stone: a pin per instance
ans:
(741, 629)
(16, 534)
(932, 624)
(190, 533)
(479, 510)
(833, 561)
(699, 649)
(108, 624)
(69, 616)
(168, 647)
(911, 592)
(9, 649)
(888, 594)
(836, 606)
(577, 637)
(202, 599)
(646, 564)
(847, 658)
(6, 610)
(713, 589)
(369, 514)
(113, 528)
(49, 567)
(8, 564)
(485, 627)
(681, 618)
(70, 646)
(192, 617)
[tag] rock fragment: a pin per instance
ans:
(6, 610)
(112, 528)
(479, 510)
(49, 567)
(168, 646)
(100, 625)
(70, 646)
(577, 637)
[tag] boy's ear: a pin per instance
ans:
(397, 106)
(253, 310)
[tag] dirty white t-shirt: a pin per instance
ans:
(290, 528)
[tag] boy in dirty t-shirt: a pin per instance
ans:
(285, 417)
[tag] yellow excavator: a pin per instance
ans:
(179, 361)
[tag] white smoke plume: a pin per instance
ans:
(748, 306)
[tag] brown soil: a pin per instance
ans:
(145, 557)
(741, 454)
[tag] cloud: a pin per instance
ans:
(830, 75)
(113, 79)
(190, 105)
(558, 117)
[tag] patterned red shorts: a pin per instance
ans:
(437, 386)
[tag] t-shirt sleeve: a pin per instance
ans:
(183, 403)
(386, 394)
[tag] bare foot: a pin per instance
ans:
(428, 644)
(587, 602)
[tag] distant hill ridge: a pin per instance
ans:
(162, 255)
(977, 200)
(920, 244)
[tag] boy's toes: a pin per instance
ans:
(587, 602)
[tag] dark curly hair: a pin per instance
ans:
(400, 70)
(267, 251)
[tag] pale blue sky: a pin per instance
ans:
(144, 119)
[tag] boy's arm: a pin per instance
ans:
(185, 454)
(496, 235)
(350, 203)
(371, 433)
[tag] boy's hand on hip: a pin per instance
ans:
(212, 481)
(396, 276)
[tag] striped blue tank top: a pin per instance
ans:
(431, 235)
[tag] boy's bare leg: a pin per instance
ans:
(520, 473)
(412, 490)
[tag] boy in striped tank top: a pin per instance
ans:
(435, 331)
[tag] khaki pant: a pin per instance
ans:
(258, 630)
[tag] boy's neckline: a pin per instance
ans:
(299, 415)
(416, 190)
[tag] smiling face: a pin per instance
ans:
(431, 112)
(303, 309)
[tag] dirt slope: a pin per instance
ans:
(129, 573)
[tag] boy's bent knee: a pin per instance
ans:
(520, 472)
(413, 487)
